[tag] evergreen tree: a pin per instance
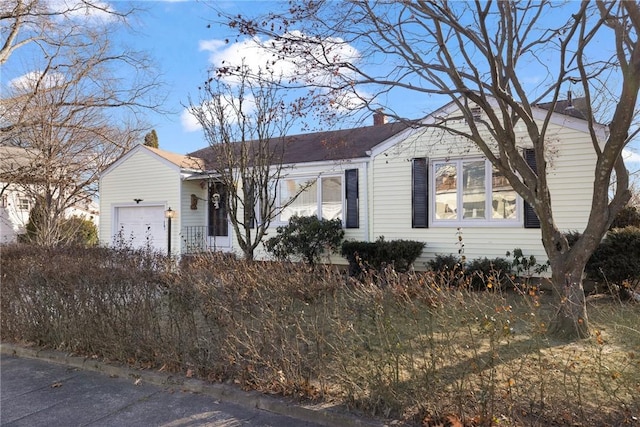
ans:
(151, 139)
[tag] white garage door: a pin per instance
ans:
(142, 226)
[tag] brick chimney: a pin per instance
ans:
(379, 118)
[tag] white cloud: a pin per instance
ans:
(78, 9)
(27, 82)
(298, 63)
(189, 122)
(630, 156)
(211, 45)
(299, 66)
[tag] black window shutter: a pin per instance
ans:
(531, 220)
(419, 193)
(351, 196)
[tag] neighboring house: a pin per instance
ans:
(16, 195)
(386, 180)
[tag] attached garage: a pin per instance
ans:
(141, 227)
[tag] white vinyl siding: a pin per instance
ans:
(139, 175)
(571, 164)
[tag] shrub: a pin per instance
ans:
(629, 216)
(572, 237)
(399, 253)
(481, 273)
(409, 351)
(488, 273)
(445, 263)
(80, 231)
(307, 237)
(523, 265)
(617, 258)
(67, 231)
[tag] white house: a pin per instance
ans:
(386, 180)
(18, 169)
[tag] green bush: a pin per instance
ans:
(63, 231)
(572, 237)
(399, 253)
(80, 231)
(445, 263)
(481, 273)
(307, 237)
(617, 258)
(521, 265)
(488, 273)
(629, 216)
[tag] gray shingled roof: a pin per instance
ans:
(348, 144)
(576, 107)
(323, 146)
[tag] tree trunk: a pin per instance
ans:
(570, 321)
(248, 253)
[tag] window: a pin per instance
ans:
(472, 191)
(305, 204)
(322, 197)
(23, 204)
(476, 112)
(331, 197)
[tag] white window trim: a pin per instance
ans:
(517, 222)
(26, 206)
(318, 179)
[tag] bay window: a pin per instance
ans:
(471, 191)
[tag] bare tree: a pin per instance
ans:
(47, 23)
(477, 54)
(73, 111)
(245, 119)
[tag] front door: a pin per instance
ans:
(219, 229)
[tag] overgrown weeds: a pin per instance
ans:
(404, 346)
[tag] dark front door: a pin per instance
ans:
(218, 221)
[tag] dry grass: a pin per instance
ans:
(408, 347)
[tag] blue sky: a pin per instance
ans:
(177, 35)
(183, 39)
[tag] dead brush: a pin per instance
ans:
(407, 346)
